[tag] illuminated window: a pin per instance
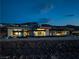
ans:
(60, 33)
(26, 33)
(40, 33)
(17, 34)
(75, 33)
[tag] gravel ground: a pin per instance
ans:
(41, 49)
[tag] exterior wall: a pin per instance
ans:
(10, 32)
(47, 32)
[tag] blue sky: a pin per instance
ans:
(58, 12)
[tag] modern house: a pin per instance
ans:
(34, 29)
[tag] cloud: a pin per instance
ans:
(45, 6)
(69, 15)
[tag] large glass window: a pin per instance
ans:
(40, 33)
(26, 33)
(75, 33)
(60, 33)
(17, 33)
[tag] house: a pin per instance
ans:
(34, 29)
(26, 30)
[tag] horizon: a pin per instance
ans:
(41, 24)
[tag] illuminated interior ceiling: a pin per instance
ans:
(17, 29)
(40, 29)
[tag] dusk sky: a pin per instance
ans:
(58, 12)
